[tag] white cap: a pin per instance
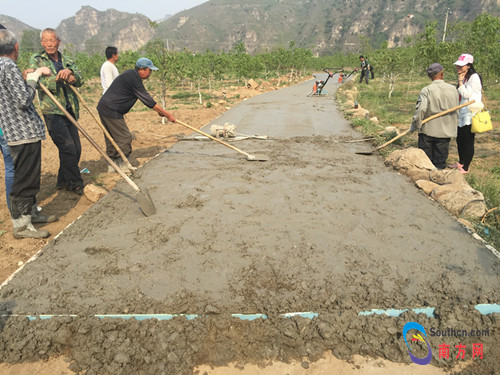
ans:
(464, 60)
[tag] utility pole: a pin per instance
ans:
(446, 23)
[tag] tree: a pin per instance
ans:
(165, 59)
(30, 41)
(392, 64)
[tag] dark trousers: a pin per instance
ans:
(27, 160)
(118, 129)
(65, 136)
(465, 145)
(364, 74)
(436, 149)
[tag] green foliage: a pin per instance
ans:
(127, 60)
(488, 185)
(90, 66)
(30, 41)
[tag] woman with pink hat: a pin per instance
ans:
(469, 88)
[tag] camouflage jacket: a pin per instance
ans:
(56, 88)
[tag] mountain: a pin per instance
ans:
(324, 26)
(92, 30)
(16, 26)
(321, 25)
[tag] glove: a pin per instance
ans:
(35, 76)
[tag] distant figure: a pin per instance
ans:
(365, 69)
(435, 135)
(62, 131)
(119, 100)
(108, 70)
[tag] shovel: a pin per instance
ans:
(249, 157)
(106, 133)
(407, 131)
(143, 198)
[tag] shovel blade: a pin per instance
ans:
(257, 158)
(145, 202)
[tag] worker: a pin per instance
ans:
(435, 135)
(118, 100)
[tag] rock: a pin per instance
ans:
(426, 186)
(411, 162)
(446, 189)
(94, 193)
(252, 84)
(374, 119)
(360, 112)
(448, 176)
(465, 202)
(350, 96)
(391, 131)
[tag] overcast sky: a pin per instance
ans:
(49, 13)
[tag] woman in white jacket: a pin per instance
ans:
(469, 88)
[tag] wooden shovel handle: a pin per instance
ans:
(89, 138)
(214, 139)
(424, 121)
(106, 133)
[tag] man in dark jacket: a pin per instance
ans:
(119, 100)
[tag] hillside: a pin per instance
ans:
(16, 26)
(324, 26)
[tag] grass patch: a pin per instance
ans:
(488, 185)
(190, 95)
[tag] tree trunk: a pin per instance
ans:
(199, 93)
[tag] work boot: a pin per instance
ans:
(22, 228)
(121, 164)
(37, 217)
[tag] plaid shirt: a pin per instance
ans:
(18, 117)
(60, 90)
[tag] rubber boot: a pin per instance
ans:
(110, 168)
(120, 164)
(37, 217)
(21, 209)
(24, 229)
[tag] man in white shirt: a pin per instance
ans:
(108, 70)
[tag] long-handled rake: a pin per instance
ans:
(249, 156)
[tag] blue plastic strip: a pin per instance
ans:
(487, 309)
(429, 311)
(484, 309)
(249, 316)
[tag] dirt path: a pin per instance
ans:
(316, 228)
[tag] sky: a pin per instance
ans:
(41, 14)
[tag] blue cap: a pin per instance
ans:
(144, 62)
